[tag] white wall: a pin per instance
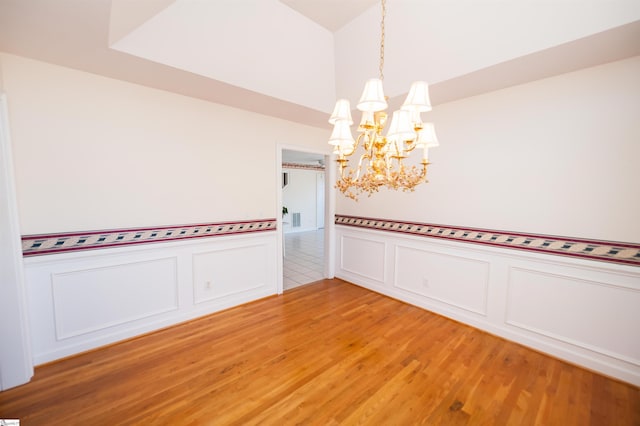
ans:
(555, 156)
(93, 153)
(96, 153)
(300, 196)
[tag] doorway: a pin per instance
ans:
(303, 262)
(306, 227)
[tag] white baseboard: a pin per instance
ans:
(581, 311)
(80, 301)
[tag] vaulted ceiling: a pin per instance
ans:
(292, 58)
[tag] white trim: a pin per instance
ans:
(329, 210)
(330, 214)
(16, 364)
(147, 271)
(280, 237)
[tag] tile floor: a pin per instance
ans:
(304, 258)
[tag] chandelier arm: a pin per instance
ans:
(350, 172)
(359, 139)
(343, 164)
(342, 170)
(367, 153)
(410, 145)
(399, 148)
(389, 168)
(359, 169)
(425, 164)
(355, 146)
(372, 136)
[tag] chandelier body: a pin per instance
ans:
(382, 160)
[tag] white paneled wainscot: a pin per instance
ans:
(584, 311)
(85, 299)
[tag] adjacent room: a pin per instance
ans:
(320, 212)
(303, 217)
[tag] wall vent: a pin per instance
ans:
(295, 220)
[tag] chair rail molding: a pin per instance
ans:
(547, 293)
(82, 297)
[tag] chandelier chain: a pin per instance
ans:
(382, 156)
(384, 12)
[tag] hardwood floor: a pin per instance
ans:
(326, 353)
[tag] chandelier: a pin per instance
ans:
(382, 160)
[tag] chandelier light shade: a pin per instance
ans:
(341, 112)
(418, 98)
(341, 135)
(381, 161)
(372, 98)
(401, 128)
(427, 139)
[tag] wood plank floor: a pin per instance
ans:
(322, 354)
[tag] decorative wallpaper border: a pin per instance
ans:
(606, 251)
(35, 245)
(318, 168)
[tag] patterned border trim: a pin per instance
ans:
(318, 168)
(35, 245)
(606, 251)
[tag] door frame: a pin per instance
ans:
(329, 211)
(16, 362)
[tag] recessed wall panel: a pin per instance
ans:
(458, 281)
(93, 299)
(599, 316)
(228, 271)
(363, 257)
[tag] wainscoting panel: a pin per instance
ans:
(221, 273)
(363, 256)
(459, 281)
(94, 299)
(570, 309)
(585, 311)
(83, 299)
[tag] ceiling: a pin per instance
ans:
(291, 59)
(331, 14)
